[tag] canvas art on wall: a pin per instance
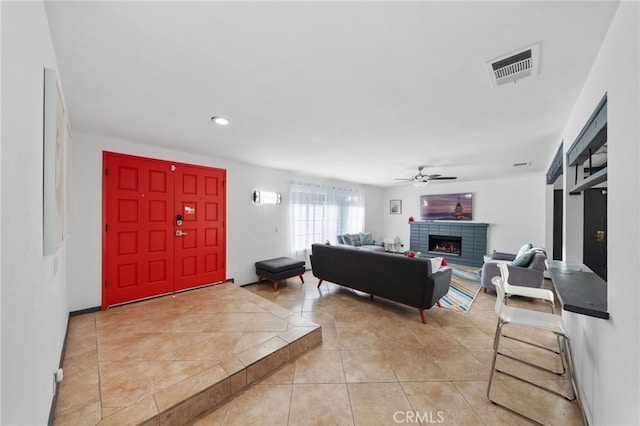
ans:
(446, 207)
(54, 138)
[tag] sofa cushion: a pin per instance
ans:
(366, 238)
(523, 259)
(352, 239)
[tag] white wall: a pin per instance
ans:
(254, 232)
(513, 208)
(608, 351)
(1, 168)
(373, 220)
(34, 298)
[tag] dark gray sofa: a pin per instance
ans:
(395, 277)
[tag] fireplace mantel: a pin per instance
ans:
(473, 235)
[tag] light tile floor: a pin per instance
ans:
(166, 360)
(377, 365)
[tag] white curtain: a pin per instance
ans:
(319, 213)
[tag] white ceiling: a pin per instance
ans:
(356, 91)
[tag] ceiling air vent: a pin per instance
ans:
(514, 66)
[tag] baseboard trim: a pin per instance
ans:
(84, 311)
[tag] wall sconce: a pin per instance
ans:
(266, 197)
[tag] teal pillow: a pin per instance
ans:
(366, 238)
(524, 259)
(524, 248)
(347, 239)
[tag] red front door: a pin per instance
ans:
(145, 252)
(200, 242)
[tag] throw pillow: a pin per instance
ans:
(366, 238)
(347, 239)
(523, 259)
(340, 240)
(444, 262)
(356, 240)
(524, 248)
(436, 263)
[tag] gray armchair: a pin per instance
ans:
(531, 275)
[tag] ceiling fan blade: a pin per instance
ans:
(405, 179)
(436, 176)
(445, 177)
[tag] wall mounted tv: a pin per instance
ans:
(446, 206)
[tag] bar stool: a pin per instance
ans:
(538, 320)
(532, 293)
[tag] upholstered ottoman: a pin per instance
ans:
(278, 269)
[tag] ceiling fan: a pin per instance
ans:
(421, 179)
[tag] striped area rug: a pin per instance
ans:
(462, 291)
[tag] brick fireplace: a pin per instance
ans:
(464, 243)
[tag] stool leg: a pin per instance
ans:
(496, 341)
(572, 372)
(275, 285)
(302, 278)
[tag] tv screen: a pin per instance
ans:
(446, 207)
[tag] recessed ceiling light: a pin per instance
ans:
(220, 121)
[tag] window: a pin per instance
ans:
(319, 213)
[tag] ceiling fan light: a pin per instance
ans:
(220, 121)
(420, 183)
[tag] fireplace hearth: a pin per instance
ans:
(445, 244)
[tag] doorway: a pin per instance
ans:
(163, 227)
(558, 198)
(594, 253)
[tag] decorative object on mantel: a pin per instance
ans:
(411, 219)
(411, 253)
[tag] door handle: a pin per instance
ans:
(179, 233)
(600, 235)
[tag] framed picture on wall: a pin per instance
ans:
(395, 206)
(54, 156)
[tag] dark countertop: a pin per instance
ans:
(579, 289)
